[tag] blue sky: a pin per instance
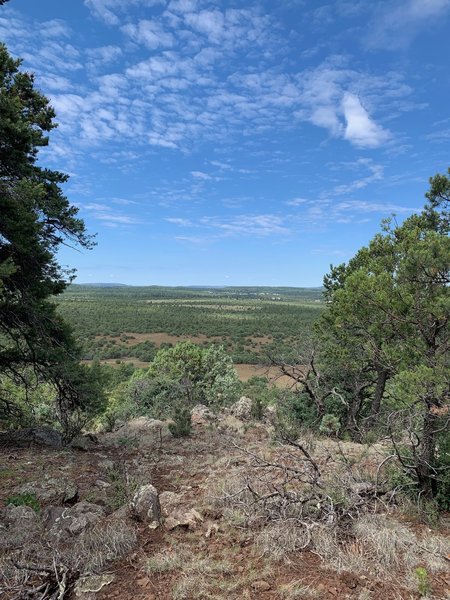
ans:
(237, 143)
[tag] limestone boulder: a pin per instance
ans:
(76, 519)
(242, 409)
(202, 415)
(141, 431)
(59, 489)
(145, 505)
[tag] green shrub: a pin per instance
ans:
(24, 499)
(423, 581)
(330, 425)
(182, 424)
(443, 479)
(295, 414)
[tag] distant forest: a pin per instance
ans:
(251, 322)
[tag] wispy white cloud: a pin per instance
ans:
(248, 225)
(201, 175)
(109, 216)
(376, 173)
(191, 88)
(364, 206)
(214, 228)
(150, 33)
(102, 56)
(55, 83)
(297, 201)
(443, 135)
(397, 22)
(178, 221)
(56, 28)
(108, 10)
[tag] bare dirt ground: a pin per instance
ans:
(215, 556)
(160, 338)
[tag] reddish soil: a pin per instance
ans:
(191, 467)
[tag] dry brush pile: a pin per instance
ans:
(295, 499)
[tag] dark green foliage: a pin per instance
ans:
(178, 378)
(330, 425)
(36, 218)
(383, 341)
(182, 425)
(24, 499)
(443, 479)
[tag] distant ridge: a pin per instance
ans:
(102, 284)
(200, 287)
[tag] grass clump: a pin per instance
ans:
(164, 562)
(423, 581)
(298, 591)
(24, 499)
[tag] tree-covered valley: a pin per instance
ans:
(251, 323)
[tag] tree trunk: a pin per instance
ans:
(426, 458)
(378, 396)
(353, 413)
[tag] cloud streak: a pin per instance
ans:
(397, 23)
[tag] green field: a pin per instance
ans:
(251, 322)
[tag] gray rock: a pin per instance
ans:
(102, 484)
(270, 414)
(141, 431)
(168, 501)
(18, 525)
(84, 442)
(202, 415)
(76, 519)
(51, 514)
(261, 586)
(51, 488)
(19, 514)
(92, 584)
(121, 514)
(242, 409)
(184, 520)
(43, 436)
(145, 505)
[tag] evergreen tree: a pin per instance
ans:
(35, 219)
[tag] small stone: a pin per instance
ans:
(202, 415)
(212, 529)
(261, 586)
(70, 494)
(102, 484)
(171, 523)
(143, 582)
(84, 442)
(92, 583)
(232, 423)
(76, 519)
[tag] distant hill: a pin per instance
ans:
(102, 285)
(120, 290)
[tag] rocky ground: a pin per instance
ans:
(225, 513)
